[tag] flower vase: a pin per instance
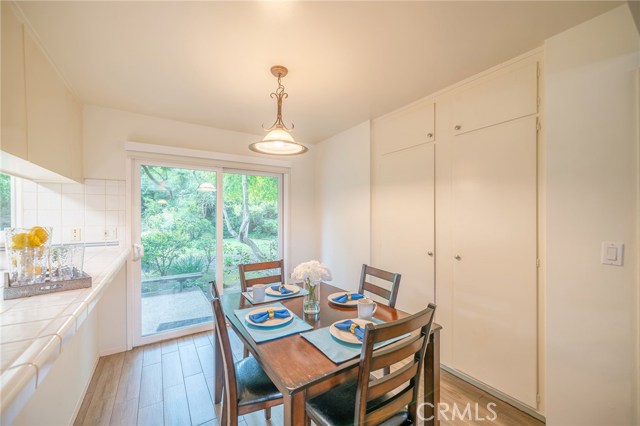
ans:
(311, 302)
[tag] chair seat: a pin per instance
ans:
(337, 407)
(254, 386)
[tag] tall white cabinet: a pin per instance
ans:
(456, 214)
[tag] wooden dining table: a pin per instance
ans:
(300, 370)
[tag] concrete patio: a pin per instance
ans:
(169, 311)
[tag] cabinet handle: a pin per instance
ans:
(429, 135)
(457, 257)
(457, 127)
(430, 253)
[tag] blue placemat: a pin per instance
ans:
(337, 350)
(266, 334)
(270, 299)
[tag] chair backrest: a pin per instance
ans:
(262, 266)
(390, 294)
(407, 377)
(221, 333)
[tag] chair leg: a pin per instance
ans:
(267, 413)
(224, 414)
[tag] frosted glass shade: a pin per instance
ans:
(278, 142)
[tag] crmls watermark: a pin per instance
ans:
(445, 411)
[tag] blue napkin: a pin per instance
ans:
(264, 316)
(281, 289)
(347, 326)
(345, 297)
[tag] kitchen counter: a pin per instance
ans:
(34, 331)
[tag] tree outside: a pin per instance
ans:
(5, 201)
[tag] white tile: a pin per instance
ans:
(72, 188)
(94, 218)
(111, 218)
(51, 218)
(94, 186)
(93, 233)
(122, 218)
(23, 331)
(67, 234)
(29, 200)
(122, 233)
(17, 315)
(122, 190)
(49, 187)
(94, 202)
(29, 218)
(29, 186)
(121, 203)
(73, 202)
(49, 200)
(112, 202)
(111, 187)
(73, 218)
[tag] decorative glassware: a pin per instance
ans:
(311, 302)
(311, 273)
(27, 254)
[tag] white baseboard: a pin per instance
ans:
(84, 393)
(113, 350)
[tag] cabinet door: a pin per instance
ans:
(494, 269)
(404, 222)
(14, 109)
(407, 128)
(497, 99)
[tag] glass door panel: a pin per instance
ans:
(252, 222)
(178, 233)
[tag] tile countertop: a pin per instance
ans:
(35, 330)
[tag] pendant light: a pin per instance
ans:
(278, 141)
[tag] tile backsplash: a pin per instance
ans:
(95, 208)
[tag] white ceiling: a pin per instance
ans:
(208, 62)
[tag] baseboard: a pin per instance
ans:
(495, 392)
(84, 392)
(113, 350)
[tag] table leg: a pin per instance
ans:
(218, 375)
(432, 380)
(294, 414)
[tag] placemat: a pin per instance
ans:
(266, 334)
(338, 351)
(270, 299)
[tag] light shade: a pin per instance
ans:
(206, 187)
(278, 142)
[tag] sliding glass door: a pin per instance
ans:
(197, 225)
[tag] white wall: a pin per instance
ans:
(343, 203)
(106, 130)
(591, 131)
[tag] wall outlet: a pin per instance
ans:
(111, 234)
(76, 234)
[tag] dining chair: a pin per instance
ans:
(245, 282)
(391, 294)
(247, 388)
(372, 398)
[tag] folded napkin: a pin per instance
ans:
(269, 314)
(348, 296)
(351, 327)
(281, 288)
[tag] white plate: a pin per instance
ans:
(348, 303)
(275, 293)
(347, 336)
(276, 322)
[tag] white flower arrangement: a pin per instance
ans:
(313, 271)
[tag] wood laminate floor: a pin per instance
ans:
(171, 383)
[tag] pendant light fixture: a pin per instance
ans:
(278, 141)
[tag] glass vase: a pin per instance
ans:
(27, 254)
(311, 302)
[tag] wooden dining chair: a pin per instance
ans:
(372, 398)
(390, 294)
(245, 282)
(247, 388)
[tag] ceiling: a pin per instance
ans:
(208, 62)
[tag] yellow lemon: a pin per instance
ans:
(33, 241)
(40, 233)
(19, 241)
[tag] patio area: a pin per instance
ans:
(164, 312)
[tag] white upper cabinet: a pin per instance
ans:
(41, 119)
(508, 95)
(404, 129)
(14, 107)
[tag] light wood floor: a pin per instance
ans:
(171, 383)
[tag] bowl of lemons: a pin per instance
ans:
(27, 254)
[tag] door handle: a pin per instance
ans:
(137, 252)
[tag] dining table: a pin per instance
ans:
(300, 370)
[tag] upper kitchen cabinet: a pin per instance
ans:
(14, 98)
(404, 129)
(41, 119)
(510, 94)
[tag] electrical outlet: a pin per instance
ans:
(76, 234)
(111, 234)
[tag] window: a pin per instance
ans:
(6, 201)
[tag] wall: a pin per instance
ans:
(591, 105)
(343, 203)
(106, 130)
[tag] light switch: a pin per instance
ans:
(612, 253)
